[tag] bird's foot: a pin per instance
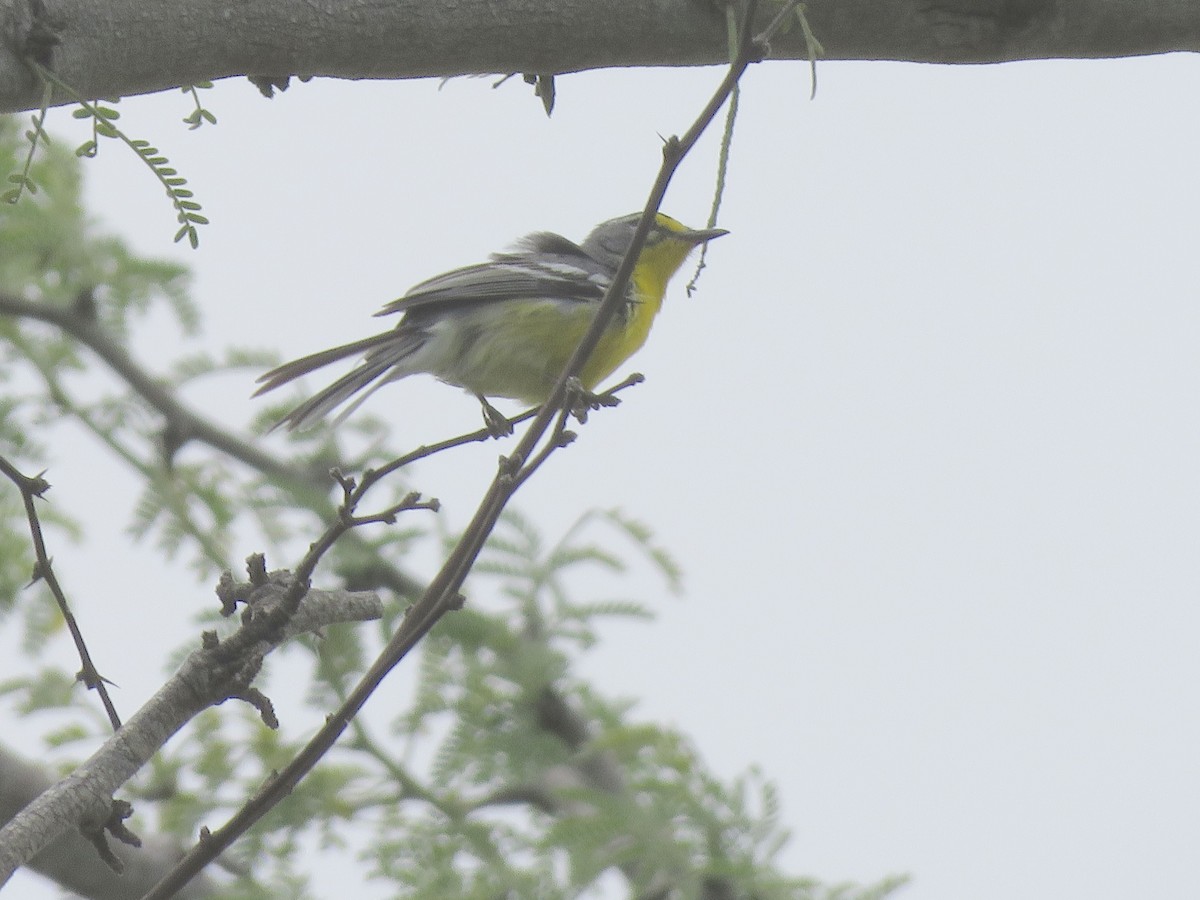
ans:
(496, 422)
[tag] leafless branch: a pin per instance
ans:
(31, 490)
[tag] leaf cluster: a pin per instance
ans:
(103, 117)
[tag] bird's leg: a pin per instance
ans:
(495, 421)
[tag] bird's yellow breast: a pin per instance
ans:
(518, 348)
(657, 263)
(624, 337)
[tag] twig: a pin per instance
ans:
(31, 489)
(371, 476)
(442, 594)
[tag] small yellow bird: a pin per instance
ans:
(506, 327)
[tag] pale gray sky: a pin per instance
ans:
(925, 443)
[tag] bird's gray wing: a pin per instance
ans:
(546, 265)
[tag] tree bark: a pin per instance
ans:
(72, 862)
(107, 48)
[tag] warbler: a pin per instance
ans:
(506, 327)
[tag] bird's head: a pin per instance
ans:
(667, 245)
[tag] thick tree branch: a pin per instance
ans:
(120, 47)
(217, 672)
(72, 863)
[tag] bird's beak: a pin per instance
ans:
(703, 235)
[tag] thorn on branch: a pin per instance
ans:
(41, 569)
(35, 486)
(672, 150)
(91, 679)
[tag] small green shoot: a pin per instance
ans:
(103, 118)
(23, 180)
(199, 115)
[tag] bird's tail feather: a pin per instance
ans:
(387, 351)
(297, 367)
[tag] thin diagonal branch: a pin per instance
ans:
(31, 489)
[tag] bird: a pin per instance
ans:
(506, 327)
